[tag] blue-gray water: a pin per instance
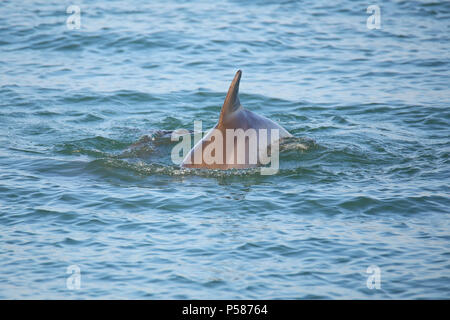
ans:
(372, 189)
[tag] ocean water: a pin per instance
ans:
(87, 182)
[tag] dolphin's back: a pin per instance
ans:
(233, 116)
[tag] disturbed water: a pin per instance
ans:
(86, 177)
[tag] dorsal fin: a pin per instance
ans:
(231, 102)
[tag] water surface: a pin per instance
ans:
(372, 188)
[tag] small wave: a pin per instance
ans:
(150, 155)
(96, 147)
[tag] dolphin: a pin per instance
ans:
(233, 117)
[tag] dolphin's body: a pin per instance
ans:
(232, 116)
